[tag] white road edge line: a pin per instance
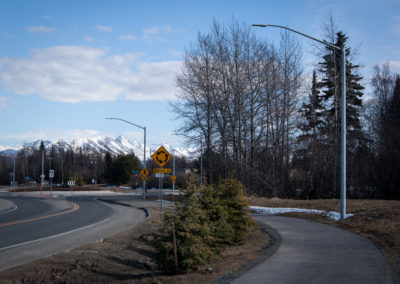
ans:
(10, 210)
(53, 236)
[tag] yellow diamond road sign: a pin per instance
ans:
(161, 156)
(144, 172)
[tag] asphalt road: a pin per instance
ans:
(310, 252)
(39, 228)
(11, 232)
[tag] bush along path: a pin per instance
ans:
(205, 222)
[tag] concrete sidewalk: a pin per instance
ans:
(310, 252)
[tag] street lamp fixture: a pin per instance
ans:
(343, 112)
(144, 146)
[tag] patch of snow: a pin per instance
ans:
(336, 215)
(270, 210)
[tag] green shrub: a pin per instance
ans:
(192, 237)
(206, 221)
(237, 208)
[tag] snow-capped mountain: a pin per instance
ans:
(117, 146)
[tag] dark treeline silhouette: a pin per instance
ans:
(85, 167)
(66, 163)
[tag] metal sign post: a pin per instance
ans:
(173, 175)
(41, 184)
(161, 157)
(51, 176)
(71, 183)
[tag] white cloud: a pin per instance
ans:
(134, 135)
(176, 53)
(155, 33)
(3, 102)
(127, 37)
(9, 35)
(395, 66)
(107, 29)
(88, 38)
(155, 80)
(78, 73)
(47, 17)
(54, 134)
(40, 29)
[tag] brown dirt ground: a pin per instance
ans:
(126, 258)
(378, 220)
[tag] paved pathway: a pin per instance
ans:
(310, 252)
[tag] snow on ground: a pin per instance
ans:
(269, 210)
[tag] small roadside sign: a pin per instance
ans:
(135, 171)
(173, 178)
(144, 172)
(161, 156)
(162, 170)
(51, 173)
(160, 175)
(42, 176)
(144, 178)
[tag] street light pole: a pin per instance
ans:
(14, 174)
(144, 152)
(343, 112)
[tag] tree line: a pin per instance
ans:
(67, 164)
(84, 167)
(263, 123)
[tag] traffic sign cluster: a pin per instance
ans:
(161, 157)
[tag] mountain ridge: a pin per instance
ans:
(99, 144)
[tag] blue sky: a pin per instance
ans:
(67, 65)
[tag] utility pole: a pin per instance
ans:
(42, 175)
(51, 174)
(14, 175)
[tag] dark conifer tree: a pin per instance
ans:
(330, 69)
(309, 140)
(389, 165)
(107, 166)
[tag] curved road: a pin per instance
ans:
(35, 226)
(310, 252)
(39, 228)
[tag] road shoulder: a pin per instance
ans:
(6, 205)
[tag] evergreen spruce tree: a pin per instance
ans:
(309, 140)
(330, 69)
(107, 167)
(389, 160)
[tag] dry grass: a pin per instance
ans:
(126, 258)
(378, 220)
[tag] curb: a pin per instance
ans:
(263, 255)
(146, 211)
(8, 207)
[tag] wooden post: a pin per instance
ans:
(175, 249)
